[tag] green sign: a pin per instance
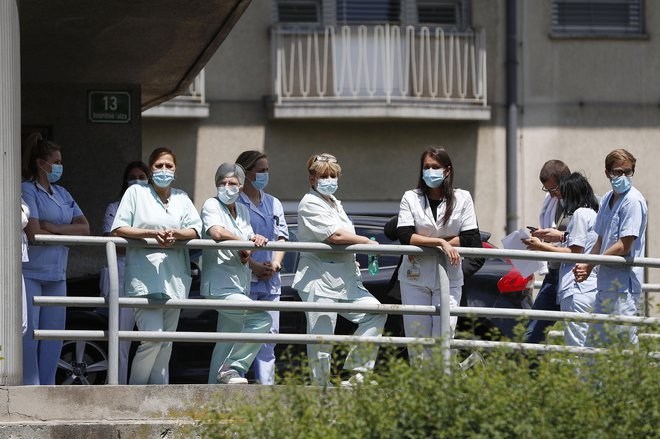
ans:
(109, 107)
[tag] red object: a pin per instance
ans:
(514, 282)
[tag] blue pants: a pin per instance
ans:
(40, 357)
(546, 300)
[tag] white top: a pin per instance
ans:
(333, 275)
(25, 216)
(580, 232)
(222, 270)
(159, 273)
(415, 210)
(626, 218)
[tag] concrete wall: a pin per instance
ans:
(93, 154)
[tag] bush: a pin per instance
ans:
(512, 395)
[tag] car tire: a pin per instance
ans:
(82, 363)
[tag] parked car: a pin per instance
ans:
(497, 284)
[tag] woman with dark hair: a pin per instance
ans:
(580, 206)
(156, 211)
(52, 211)
(267, 219)
(134, 173)
(433, 215)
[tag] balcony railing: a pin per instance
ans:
(191, 104)
(431, 69)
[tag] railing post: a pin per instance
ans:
(444, 312)
(113, 313)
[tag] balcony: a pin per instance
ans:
(191, 104)
(381, 71)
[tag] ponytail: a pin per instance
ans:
(35, 147)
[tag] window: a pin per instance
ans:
(444, 13)
(597, 17)
(298, 11)
(368, 11)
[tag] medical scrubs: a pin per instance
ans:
(155, 273)
(225, 277)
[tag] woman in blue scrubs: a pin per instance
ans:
(156, 211)
(52, 211)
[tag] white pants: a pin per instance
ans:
(359, 359)
(234, 355)
(126, 318)
(264, 363)
(575, 333)
(152, 359)
(425, 326)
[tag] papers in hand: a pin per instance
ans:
(514, 242)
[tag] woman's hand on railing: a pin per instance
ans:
(450, 251)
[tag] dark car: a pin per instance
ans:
(497, 284)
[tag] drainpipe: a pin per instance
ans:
(512, 117)
(11, 340)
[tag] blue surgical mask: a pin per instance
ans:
(163, 178)
(261, 181)
(433, 177)
(55, 172)
(138, 182)
(621, 184)
(228, 194)
(327, 186)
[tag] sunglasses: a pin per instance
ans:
(325, 158)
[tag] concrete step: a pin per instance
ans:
(100, 412)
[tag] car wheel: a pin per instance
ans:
(82, 362)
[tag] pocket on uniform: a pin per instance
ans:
(614, 228)
(333, 275)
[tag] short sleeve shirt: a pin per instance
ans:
(48, 262)
(579, 232)
(626, 218)
(222, 270)
(109, 216)
(332, 275)
(155, 272)
(415, 210)
(267, 219)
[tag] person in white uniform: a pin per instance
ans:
(621, 229)
(580, 206)
(332, 277)
(226, 276)
(156, 211)
(432, 215)
(134, 173)
(267, 219)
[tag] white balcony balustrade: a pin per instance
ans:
(379, 71)
(191, 104)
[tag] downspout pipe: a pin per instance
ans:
(512, 117)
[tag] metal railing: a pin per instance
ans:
(379, 63)
(113, 301)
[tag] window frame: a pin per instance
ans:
(563, 30)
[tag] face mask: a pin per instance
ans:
(621, 184)
(433, 177)
(261, 181)
(138, 182)
(163, 178)
(55, 173)
(327, 186)
(228, 194)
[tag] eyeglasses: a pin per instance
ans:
(618, 172)
(551, 190)
(325, 158)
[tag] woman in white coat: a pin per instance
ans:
(433, 215)
(332, 277)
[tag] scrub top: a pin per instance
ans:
(222, 270)
(415, 210)
(267, 219)
(48, 262)
(156, 273)
(626, 218)
(332, 275)
(580, 232)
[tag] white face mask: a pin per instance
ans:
(327, 186)
(228, 194)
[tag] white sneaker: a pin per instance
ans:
(231, 376)
(357, 380)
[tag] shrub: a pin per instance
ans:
(513, 395)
